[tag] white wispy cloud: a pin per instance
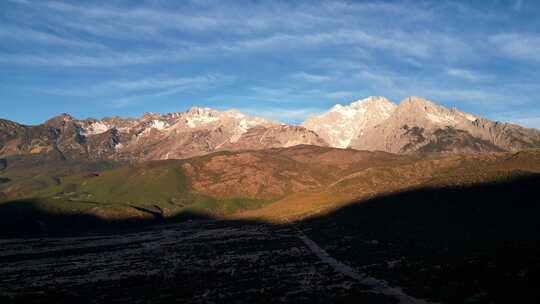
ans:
(157, 83)
(401, 9)
(334, 51)
(287, 95)
(158, 86)
(308, 77)
(517, 45)
(105, 59)
(463, 11)
(28, 35)
(342, 95)
(271, 28)
(20, 1)
(466, 74)
(395, 41)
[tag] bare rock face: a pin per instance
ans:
(411, 126)
(342, 124)
(279, 136)
(507, 136)
(153, 136)
(10, 133)
(415, 125)
(56, 137)
(201, 131)
(419, 125)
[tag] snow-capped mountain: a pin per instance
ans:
(416, 125)
(374, 123)
(342, 124)
(197, 131)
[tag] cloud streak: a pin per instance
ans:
(27, 35)
(260, 29)
(298, 55)
(520, 46)
(160, 86)
(466, 74)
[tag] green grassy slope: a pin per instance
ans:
(142, 191)
(275, 185)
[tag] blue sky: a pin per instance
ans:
(278, 59)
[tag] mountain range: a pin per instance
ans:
(415, 125)
(444, 197)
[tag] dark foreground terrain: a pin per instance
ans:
(476, 244)
(202, 261)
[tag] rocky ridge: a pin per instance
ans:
(415, 125)
(197, 131)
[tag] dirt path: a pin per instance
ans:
(377, 286)
(200, 262)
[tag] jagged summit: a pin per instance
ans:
(370, 100)
(424, 113)
(197, 131)
(420, 125)
(374, 123)
(200, 110)
(64, 117)
(416, 124)
(417, 101)
(343, 123)
(150, 115)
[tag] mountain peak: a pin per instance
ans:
(200, 110)
(417, 107)
(362, 104)
(417, 101)
(64, 117)
(151, 115)
(59, 119)
(342, 123)
(371, 100)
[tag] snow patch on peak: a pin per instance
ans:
(242, 128)
(441, 118)
(200, 111)
(418, 101)
(470, 117)
(375, 103)
(196, 117)
(96, 127)
(234, 113)
(197, 121)
(371, 100)
(243, 125)
(342, 124)
(159, 125)
(344, 110)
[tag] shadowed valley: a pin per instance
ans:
(321, 224)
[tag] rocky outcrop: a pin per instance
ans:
(197, 131)
(280, 136)
(419, 125)
(415, 125)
